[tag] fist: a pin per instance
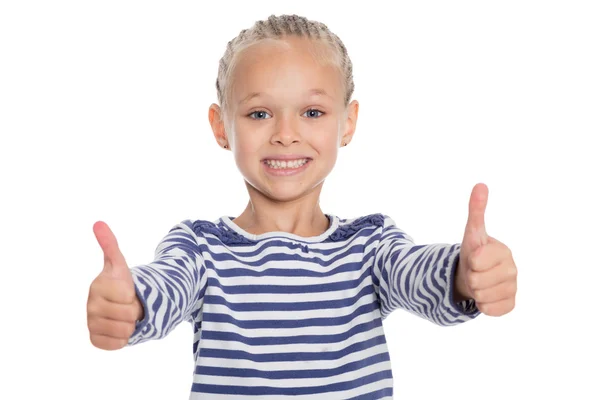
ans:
(486, 271)
(113, 306)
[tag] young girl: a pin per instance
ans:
(286, 300)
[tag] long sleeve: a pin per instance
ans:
(169, 288)
(418, 278)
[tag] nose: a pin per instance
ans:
(286, 131)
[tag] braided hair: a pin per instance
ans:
(328, 49)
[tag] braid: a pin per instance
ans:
(276, 28)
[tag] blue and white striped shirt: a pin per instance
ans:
(278, 315)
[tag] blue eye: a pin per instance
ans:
(257, 112)
(313, 111)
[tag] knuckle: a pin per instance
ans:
(91, 308)
(472, 280)
(94, 307)
(99, 342)
(509, 252)
(94, 340)
(92, 325)
(93, 287)
(473, 261)
(511, 304)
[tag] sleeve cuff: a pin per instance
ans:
(461, 310)
(143, 329)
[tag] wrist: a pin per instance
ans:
(460, 289)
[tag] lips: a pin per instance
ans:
(287, 157)
(286, 164)
(283, 168)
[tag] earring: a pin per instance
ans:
(225, 146)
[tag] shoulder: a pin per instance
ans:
(208, 230)
(368, 224)
(376, 219)
(383, 227)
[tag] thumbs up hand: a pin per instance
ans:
(486, 271)
(113, 306)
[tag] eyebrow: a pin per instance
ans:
(311, 92)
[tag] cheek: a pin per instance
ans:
(328, 145)
(325, 136)
(248, 139)
(246, 154)
(246, 144)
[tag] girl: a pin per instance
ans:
(286, 300)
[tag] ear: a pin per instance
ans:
(215, 117)
(352, 111)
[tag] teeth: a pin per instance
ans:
(280, 164)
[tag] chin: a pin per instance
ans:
(285, 194)
(281, 191)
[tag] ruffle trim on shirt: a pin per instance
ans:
(346, 230)
(224, 234)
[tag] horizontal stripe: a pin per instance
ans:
(289, 306)
(283, 289)
(292, 356)
(292, 374)
(288, 365)
(296, 382)
(270, 390)
(296, 339)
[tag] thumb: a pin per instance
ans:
(114, 261)
(475, 233)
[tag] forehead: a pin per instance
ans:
(285, 67)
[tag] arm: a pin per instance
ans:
(418, 278)
(169, 288)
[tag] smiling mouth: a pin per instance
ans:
(286, 164)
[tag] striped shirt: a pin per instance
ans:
(277, 315)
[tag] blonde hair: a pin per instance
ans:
(328, 49)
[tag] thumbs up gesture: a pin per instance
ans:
(113, 306)
(486, 271)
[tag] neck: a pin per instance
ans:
(300, 216)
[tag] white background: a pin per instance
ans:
(104, 116)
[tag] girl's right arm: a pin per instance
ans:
(169, 288)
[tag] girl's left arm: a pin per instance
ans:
(418, 278)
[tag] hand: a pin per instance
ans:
(113, 306)
(486, 271)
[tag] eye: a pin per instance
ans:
(313, 112)
(261, 113)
